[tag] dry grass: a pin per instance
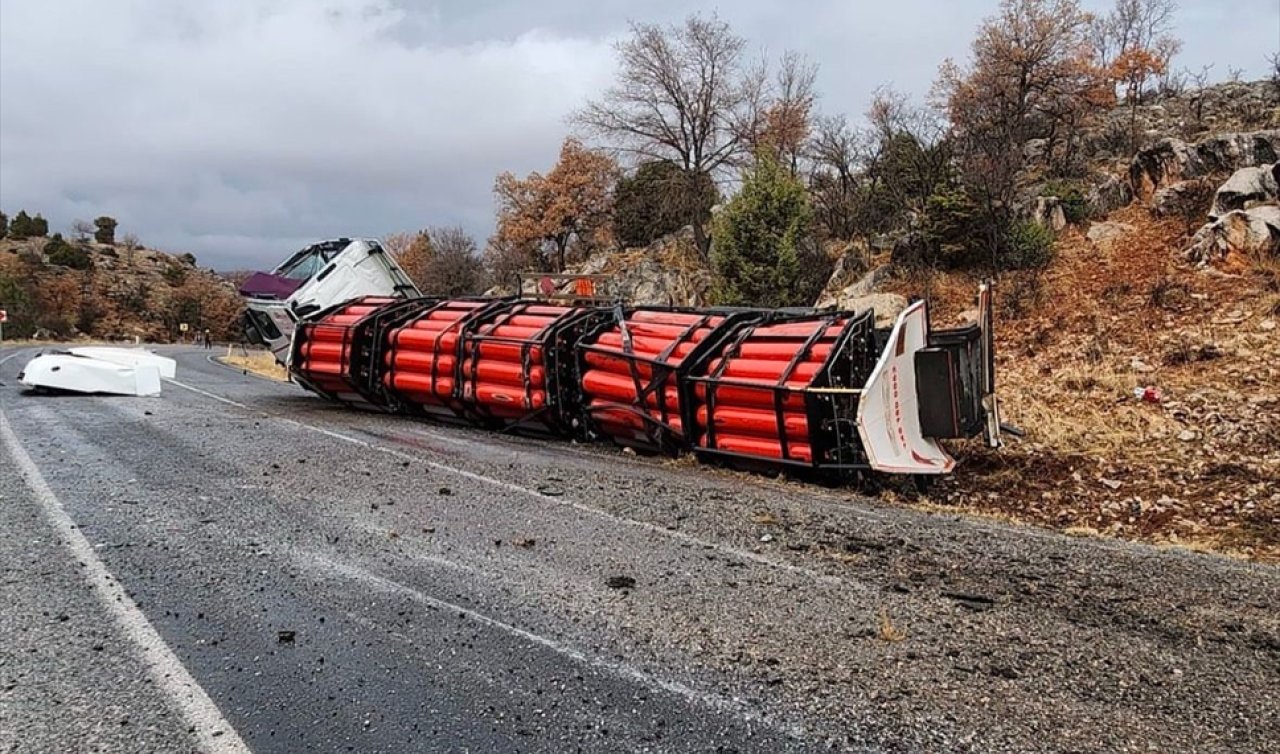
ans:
(888, 631)
(261, 363)
(1200, 467)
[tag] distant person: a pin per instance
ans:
(208, 343)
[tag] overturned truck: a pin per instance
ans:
(819, 391)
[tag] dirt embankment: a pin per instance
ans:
(1149, 393)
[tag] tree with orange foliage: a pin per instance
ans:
(413, 252)
(1032, 68)
(543, 215)
(1133, 44)
(786, 121)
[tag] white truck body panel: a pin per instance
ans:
(888, 414)
(130, 357)
(82, 374)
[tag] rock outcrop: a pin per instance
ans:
(1171, 160)
(1247, 188)
(668, 272)
(1232, 240)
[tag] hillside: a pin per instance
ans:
(110, 292)
(1142, 362)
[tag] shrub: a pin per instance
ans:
(1071, 196)
(21, 227)
(952, 230)
(39, 226)
(1026, 245)
(62, 253)
(175, 274)
(658, 200)
(757, 239)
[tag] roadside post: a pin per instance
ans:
(4, 317)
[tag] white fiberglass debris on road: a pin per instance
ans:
(111, 371)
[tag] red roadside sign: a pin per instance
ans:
(4, 316)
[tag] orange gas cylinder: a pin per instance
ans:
(548, 311)
(617, 364)
(803, 329)
(323, 367)
(535, 321)
(755, 421)
(421, 361)
(782, 351)
(671, 318)
(755, 446)
(764, 370)
(505, 395)
(328, 333)
(607, 419)
(420, 340)
(512, 352)
(646, 346)
(323, 350)
(505, 373)
(665, 332)
(621, 389)
(421, 384)
(733, 395)
(509, 332)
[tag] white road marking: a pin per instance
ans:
(627, 672)
(13, 355)
(555, 500)
(212, 731)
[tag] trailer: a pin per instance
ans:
(822, 392)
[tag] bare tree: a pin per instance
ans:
(786, 121)
(685, 94)
(82, 229)
(1133, 24)
(456, 267)
(837, 153)
(131, 246)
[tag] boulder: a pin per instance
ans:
(1191, 198)
(1247, 188)
(1173, 160)
(1109, 194)
(1049, 213)
(1105, 234)
(839, 289)
(1237, 237)
(887, 306)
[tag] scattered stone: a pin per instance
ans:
(524, 542)
(1187, 435)
(620, 582)
(1110, 484)
(445, 491)
(285, 637)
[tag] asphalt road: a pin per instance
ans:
(238, 565)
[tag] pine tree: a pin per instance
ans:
(756, 239)
(21, 227)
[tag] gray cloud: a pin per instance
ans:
(240, 130)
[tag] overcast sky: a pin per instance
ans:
(241, 130)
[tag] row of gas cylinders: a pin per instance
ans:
(650, 378)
